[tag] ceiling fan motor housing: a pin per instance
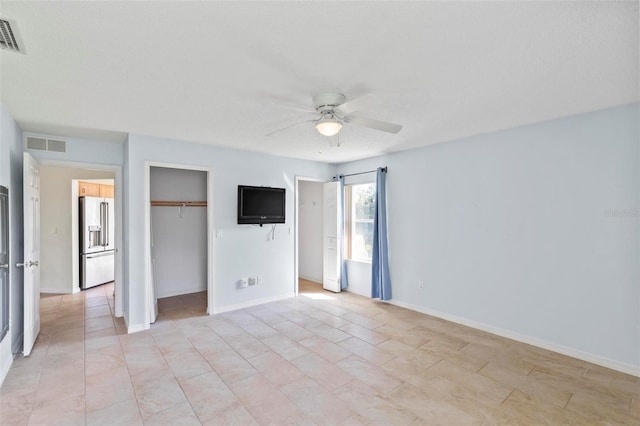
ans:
(325, 103)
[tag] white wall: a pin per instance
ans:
(513, 231)
(310, 202)
(56, 225)
(179, 234)
(240, 250)
(11, 177)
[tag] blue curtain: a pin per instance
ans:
(343, 262)
(380, 277)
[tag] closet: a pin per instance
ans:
(178, 231)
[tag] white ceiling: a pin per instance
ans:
(227, 73)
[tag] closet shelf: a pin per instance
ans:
(178, 203)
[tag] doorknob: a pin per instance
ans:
(4, 266)
(27, 264)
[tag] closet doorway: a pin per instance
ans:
(179, 242)
(309, 232)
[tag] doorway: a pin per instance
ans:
(60, 251)
(179, 266)
(309, 234)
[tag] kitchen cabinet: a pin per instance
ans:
(106, 191)
(90, 189)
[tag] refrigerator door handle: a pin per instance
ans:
(106, 224)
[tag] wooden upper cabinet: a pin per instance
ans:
(90, 189)
(106, 191)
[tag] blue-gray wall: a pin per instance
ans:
(531, 232)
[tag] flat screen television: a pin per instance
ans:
(260, 205)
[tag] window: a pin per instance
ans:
(360, 204)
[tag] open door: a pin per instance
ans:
(332, 237)
(153, 294)
(31, 200)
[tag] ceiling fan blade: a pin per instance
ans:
(373, 124)
(354, 104)
(291, 126)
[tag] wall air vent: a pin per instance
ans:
(7, 37)
(43, 144)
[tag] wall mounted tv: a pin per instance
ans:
(260, 205)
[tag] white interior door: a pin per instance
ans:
(332, 239)
(152, 273)
(31, 201)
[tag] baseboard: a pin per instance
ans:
(534, 341)
(53, 290)
(182, 291)
(250, 303)
(312, 279)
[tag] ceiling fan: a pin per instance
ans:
(334, 111)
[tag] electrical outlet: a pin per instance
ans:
(420, 284)
(258, 279)
(252, 281)
(244, 282)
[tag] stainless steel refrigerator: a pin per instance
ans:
(96, 241)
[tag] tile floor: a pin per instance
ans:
(320, 358)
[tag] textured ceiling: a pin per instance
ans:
(227, 73)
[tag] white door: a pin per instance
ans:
(153, 294)
(332, 239)
(31, 202)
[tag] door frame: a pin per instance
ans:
(118, 188)
(296, 281)
(147, 233)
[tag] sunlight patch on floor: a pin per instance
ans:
(317, 296)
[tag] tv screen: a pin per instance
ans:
(260, 205)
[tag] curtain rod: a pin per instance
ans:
(384, 169)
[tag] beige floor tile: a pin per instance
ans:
(187, 364)
(265, 402)
(326, 349)
(521, 405)
(231, 367)
(157, 391)
(535, 389)
(287, 348)
(276, 369)
(108, 388)
(179, 415)
(246, 345)
(322, 371)
(330, 333)
(122, 413)
(66, 412)
(600, 408)
(370, 336)
(316, 402)
(293, 330)
(370, 374)
(320, 358)
(367, 351)
(430, 411)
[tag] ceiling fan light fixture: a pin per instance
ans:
(328, 126)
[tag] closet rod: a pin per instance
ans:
(179, 203)
(384, 169)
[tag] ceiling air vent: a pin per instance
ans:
(7, 37)
(43, 144)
